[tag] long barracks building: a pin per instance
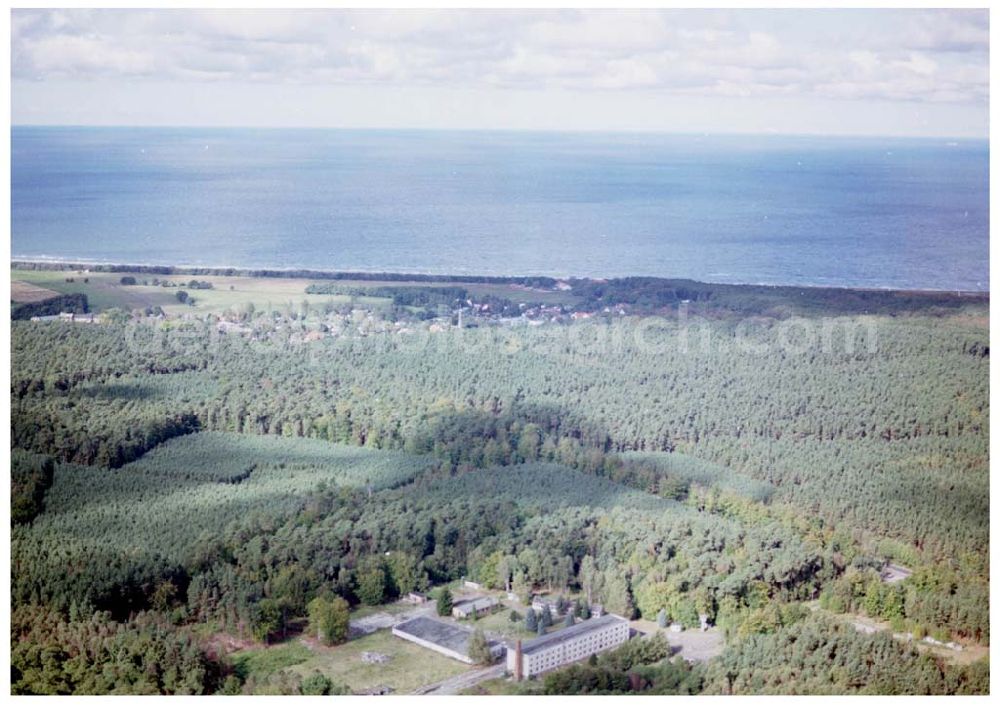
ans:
(567, 645)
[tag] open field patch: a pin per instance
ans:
(408, 668)
(21, 291)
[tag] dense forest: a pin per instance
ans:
(167, 475)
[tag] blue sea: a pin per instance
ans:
(871, 212)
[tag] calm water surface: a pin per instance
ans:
(853, 212)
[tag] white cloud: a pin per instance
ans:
(890, 55)
(918, 64)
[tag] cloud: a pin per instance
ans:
(931, 56)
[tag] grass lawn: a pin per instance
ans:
(505, 686)
(262, 662)
(410, 665)
(396, 607)
(498, 622)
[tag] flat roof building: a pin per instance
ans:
(566, 646)
(446, 638)
(477, 606)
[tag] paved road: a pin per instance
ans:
(455, 685)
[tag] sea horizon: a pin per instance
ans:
(984, 139)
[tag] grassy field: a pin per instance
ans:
(105, 291)
(27, 292)
(504, 686)
(264, 662)
(396, 607)
(409, 666)
(498, 622)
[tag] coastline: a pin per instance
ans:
(66, 264)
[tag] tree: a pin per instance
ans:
(704, 602)
(479, 648)
(568, 621)
(444, 602)
(588, 576)
(687, 614)
(291, 585)
(531, 564)
(329, 619)
(513, 617)
(404, 574)
(317, 684)
(530, 620)
(522, 587)
(164, 595)
(545, 620)
(488, 572)
(505, 568)
(268, 619)
(182, 296)
(371, 581)
(661, 618)
(527, 445)
(617, 597)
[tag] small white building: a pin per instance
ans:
(567, 645)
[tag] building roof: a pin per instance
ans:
(561, 636)
(475, 604)
(441, 633)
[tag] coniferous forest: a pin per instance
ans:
(758, 463)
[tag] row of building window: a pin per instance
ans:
(572, 651)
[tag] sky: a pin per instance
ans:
(860, 72)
